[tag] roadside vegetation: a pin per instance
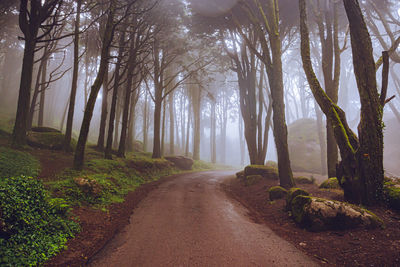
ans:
(36, 214)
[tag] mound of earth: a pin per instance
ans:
(47, 138)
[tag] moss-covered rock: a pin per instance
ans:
(303, 180)
(252, 179)
(48, 140)
(271, 163)
(319, 214)
(181, 162)
(331, 183)
(264, 171)
(292, 193)
(240, 175)
(277, 192)
(392, 195)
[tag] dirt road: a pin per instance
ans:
(189, 221)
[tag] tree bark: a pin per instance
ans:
(71, 110)
(105, 51)
(196, 94)
(360, 173)
(171, 124)
(117, 78)
(103, 116)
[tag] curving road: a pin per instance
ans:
(189, 221)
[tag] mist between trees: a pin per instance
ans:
(233, 82)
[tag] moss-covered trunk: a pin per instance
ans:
(360, 172)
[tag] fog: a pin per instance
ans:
(197, 44)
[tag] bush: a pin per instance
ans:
(34, 226)
(16, 163)
(264, 171)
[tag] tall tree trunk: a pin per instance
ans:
(36, 92)
(42, 95)
(71, 110)
(145, 126)
(117, 78)
(87, 117)
(278, 105)
(163, 130)
(103, 116)
(21, 119)
(241, 140)
(213, 133)
(196, 95)
(321, 139)
(360, 173)
(132, 118)
(171, 124)
(188, 127)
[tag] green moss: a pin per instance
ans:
(392, 195)
(331, 183)
(277, 192)
(264, 171)
(297, 208)
(292, 193)
(16, 163)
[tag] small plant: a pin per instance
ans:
(34, 226)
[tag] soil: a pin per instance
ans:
(356, 247)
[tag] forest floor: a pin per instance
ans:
(355, 247)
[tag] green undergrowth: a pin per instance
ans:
(200, 165)
(16, 163)
(108, 181)
(33, 226)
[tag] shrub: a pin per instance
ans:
(34, 225)
(277, 192)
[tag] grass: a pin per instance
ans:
(15, 163)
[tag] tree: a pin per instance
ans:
(74, 85)
(360, 173)
(31, 20)
(105, 51)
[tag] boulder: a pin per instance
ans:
(89, 186)
(252, 179)
(331, 183)
(292, 193)
(392, 194)
(317, 214)
(277, 192)
(47, 140)
(264, 171)
(240, 175)
(181, 162)
(303, 180)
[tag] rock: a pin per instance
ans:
(88, 186)
(277, 192)
(292, 193)
(47, 140)
(392, 195)
(181, 162)
(264, 171)
(240, 175)
(252, 179)
(44, 130)
(331, 183)
(317, 214)
(303, 180)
